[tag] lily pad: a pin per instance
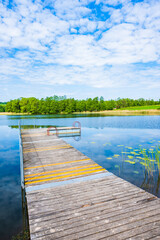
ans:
(131, 162)
(116, 155)
(130, 157)
(116, 166)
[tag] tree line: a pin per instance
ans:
(55, 104)
(2, 106)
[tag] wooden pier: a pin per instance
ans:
(69, 196)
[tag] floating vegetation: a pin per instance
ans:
(132, 152)
(149, 157)
(130, 157)
(116, 155)
(93, 142)
(131, 162)
(116, 166)
(107, 144)
(142, 163)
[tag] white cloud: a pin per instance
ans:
(67, 43)
(111, 2)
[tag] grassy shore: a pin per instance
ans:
(11, 113)
(124, 112)
(129, 112)
(106, 113)
(151, 107)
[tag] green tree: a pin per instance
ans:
(2, 108)
(102, 104)
(110, 105)
(9, 106)
(23, 105)
(71, 106)
(16, 106)
(33, 105)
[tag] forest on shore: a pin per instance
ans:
(62, 104)
(2, 106)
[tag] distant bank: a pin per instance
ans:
(106, 112)
(125, 112)
(12, 113)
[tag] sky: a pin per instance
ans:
(80, 48)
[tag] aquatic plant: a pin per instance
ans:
(117, 166)
(130, 157)
(147, 157)
(116, 155)
(22, 236)
(131, 162)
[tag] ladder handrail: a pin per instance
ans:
(48, 129)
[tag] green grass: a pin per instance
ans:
(150, 107)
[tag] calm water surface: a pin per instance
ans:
(128, 146)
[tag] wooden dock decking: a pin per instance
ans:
(69, 196)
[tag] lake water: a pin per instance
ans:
(128, 146)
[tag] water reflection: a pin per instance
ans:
(125, 152)
(10, 190)
(126, 146)
(90, 121)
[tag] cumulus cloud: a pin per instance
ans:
(99, 43)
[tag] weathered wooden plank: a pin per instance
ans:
(126, 234)
(65, 191)
(84, 200)
(88, 201)
(107, 208)
(110, 215)
(96, 209)
(105, 230)
(153, 233)
(79, 211)
(156, 238)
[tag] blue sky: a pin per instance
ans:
(79, 48)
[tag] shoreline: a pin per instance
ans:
(105, 113)
(124, 112)
(11, 113)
